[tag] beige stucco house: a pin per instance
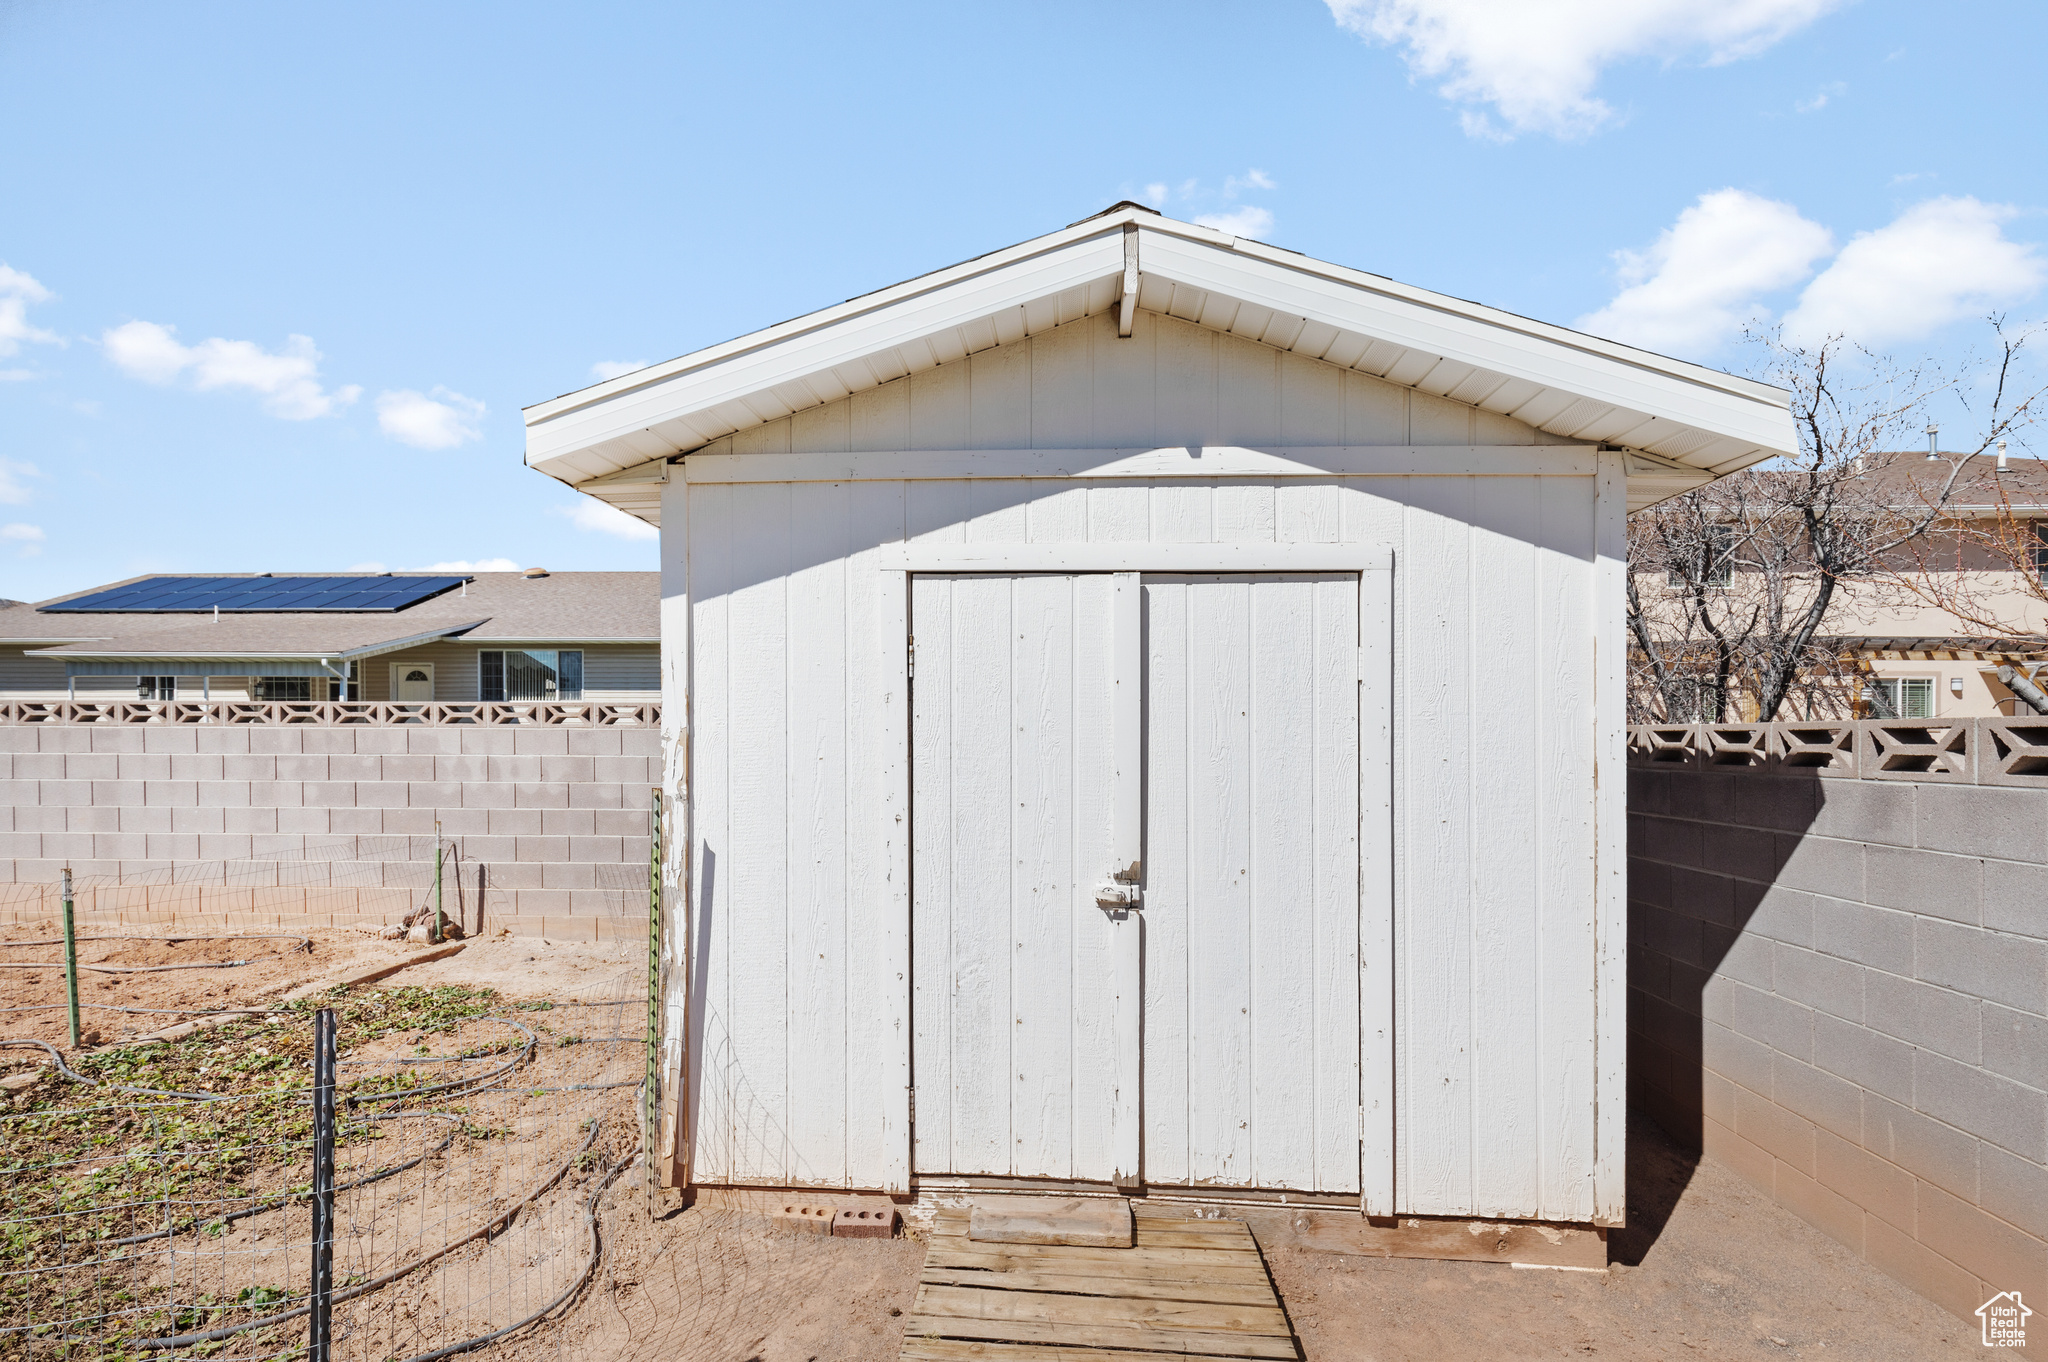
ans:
(1935, 653)
(484, 636)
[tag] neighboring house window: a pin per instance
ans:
(2041, 551)
(530, 674)
(282, 688)
(156, 687)
(1908, 697)
(1691, 702)
(1720, 565)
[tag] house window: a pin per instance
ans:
(2041, 551)
(156, 687)
(1718, 569)
(1908, 697)
(530, 674)
(284, 688)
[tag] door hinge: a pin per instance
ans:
(913, 1104)
(910, 658)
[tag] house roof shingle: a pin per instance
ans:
(496, 607)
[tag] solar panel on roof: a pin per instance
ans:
(259, 595)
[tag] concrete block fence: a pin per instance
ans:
(1838, 987)
(331, 825)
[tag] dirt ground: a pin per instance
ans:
(1711, 1269)
(1708, 1268)
(31, 999)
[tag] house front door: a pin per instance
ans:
(412, 681)
(1135, 878)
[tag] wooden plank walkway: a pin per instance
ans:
(1191, 1288)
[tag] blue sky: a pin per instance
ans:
(278, 279)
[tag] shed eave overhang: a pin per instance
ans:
(1561, 381)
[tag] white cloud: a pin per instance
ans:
(1937, 262)
(27, 538)
(1243, 221)
(588, 513)
(13, 492)
(1238, 220)
(1706, 275)
(613, 368)
(1820, 98)
(16, 375)
(288, 380)
(440, 420)
(18, 292)
(1536, 62)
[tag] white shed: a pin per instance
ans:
(1145, 710)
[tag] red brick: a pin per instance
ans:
(864, 1222)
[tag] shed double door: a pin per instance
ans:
(1195, 738)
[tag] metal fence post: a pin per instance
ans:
(70, 959)
(650, 1116)
(440, 922)
(319, 1326)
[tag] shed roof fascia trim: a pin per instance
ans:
(1512, 347)
(1108, 229)
(563, 433)
(752, 365)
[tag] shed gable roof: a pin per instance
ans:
(1692, 423)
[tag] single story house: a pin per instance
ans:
(530, 635)
(1144, 711)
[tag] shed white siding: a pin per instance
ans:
(797, 1037)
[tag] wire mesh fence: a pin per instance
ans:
(323, 882)
(160, 1194)
(157, 1200)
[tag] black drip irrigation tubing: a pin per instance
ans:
(57, 1058)
(305, 944)
(231, 1217)
(473, 1081)
(590, 1221)
(464, 1084)
(487, 1231)
(158, 1011)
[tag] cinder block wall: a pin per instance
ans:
(1839, 988)
(557, 818)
